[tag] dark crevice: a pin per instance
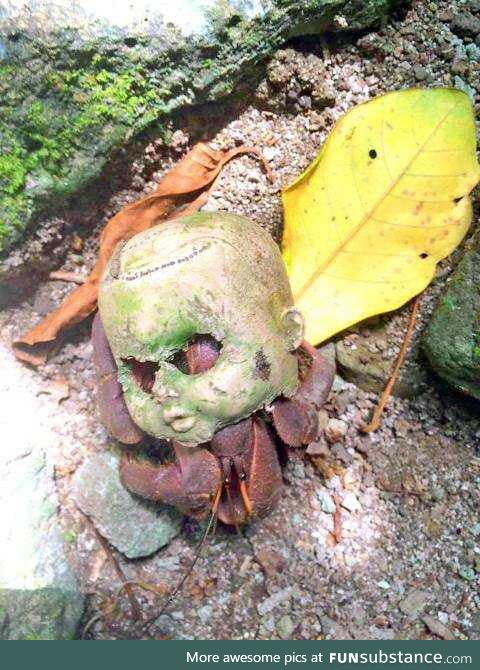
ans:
(143, 372)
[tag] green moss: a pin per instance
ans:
(127, 303)
(43, 137)
(70, 536)
(451, 340)
(68, 102)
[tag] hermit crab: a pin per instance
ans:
(198, 345)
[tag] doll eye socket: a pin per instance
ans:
(143, 372)
(199, 355)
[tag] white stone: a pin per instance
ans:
(350, 502)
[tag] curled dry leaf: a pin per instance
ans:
(182, 191)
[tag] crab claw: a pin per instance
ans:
(111, 404)
(190, 483)
(251, 471)
(264, 485)
(295, 419)
(316, 376)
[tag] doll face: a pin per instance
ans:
(213, 276)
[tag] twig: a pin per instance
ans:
(387, 391)
(198, 551)
(337, 519)
(384, 486)
(72, 277)
(136, 609)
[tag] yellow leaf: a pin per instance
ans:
(383, 202)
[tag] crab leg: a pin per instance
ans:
(191, 483)
(295, 419)
(111, 404)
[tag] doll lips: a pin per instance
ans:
(182, 425)
(178, 420)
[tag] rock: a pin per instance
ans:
(437, 627)
(297, 80)
(465, 24)
(326, 502)
(75, 90)
(365, 361)
(39, 597)
(414, 602)
(135, 527)
(450, 340)
(467, 573)
(350, 502)
(335, 430)
(285, 627)
(274, 600)
(419, 72)
(334, 630)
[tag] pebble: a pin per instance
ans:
(335, 430)
(339, 452)
(466, 573)
(414, 602)
(383, 584)
(326, 502)
(438, 493)
(437, 627)
(419, 72)
(274, 600)
(350, 502)
(285, 627)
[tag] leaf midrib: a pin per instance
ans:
(315, 275)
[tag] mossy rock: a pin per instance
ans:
(71, 98)
(39, 614)
(452, 339)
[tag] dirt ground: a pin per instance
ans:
(379, 538)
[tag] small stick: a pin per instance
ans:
(337, 519)
(73, 277)
(211, 521)
(387, 391)
(136, 609)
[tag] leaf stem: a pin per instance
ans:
(387, 391)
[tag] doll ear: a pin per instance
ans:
(294, 327)
(113, 410)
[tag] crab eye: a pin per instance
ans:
(143, 372)
(199, 355)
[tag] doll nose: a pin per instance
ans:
(162, 393)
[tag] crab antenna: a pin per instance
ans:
(188, 572)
